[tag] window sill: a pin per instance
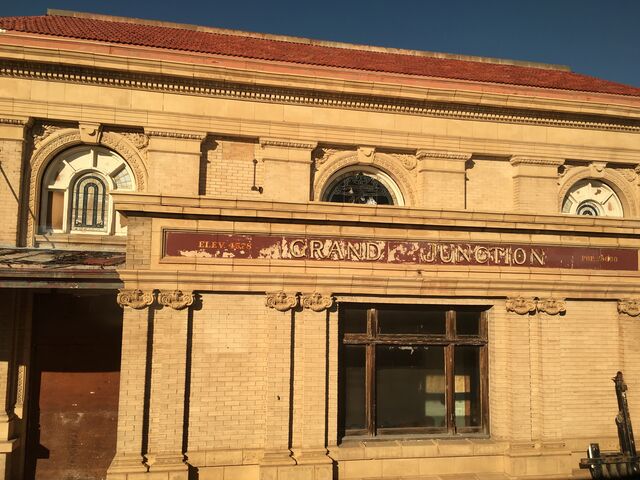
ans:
(75, 240)
(414, 446)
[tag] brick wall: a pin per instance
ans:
(10, 165)
(138, 243)
(229, 169)
(228, 373)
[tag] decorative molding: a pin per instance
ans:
(136, 298)
(521, 305)
(178, 135)
(321, 154)
(317, 302)
(615, 179)
(14, 121)
(275, 142)
(408, 160)
(551, 306)
(425, 153)
(629, 306)
(385, 162)
(20, 384)
(176, 299)
(41, 131)
(521, 160)
(597, 169)
(121, 144)
(299, 96)
(281, 301)
(366, 155)
(137, 139)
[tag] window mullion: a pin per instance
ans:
(449, 372)
(370, 376)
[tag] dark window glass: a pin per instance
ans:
(468, 321)
(467, 387)
(410, 386)
(354, 382)
(359, 188)
(418, 369)
(355, 320)
(411, 320)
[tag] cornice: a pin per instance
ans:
(302, 96)
(424, 153)
(147, 204)
(14, 121)
(177, 135)
(283, 143)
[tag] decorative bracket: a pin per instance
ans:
(281, 301)
(176, 299)
(136, 298)
(317, 301)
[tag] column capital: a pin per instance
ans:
(317, 302)
(538, 161)
(176, 299)
(551, 306)
(521, 305)
(281, 301)
(629, 306)
(135, 298)
(428, 153)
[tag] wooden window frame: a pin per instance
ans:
(449, 341)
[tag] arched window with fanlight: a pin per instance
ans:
(76, 187)
(365, 186)
(592, 198)
(89, 200)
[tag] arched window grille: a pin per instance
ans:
(359, 188)
(88, 210)
(592, 198)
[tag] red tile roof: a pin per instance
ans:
(237, 45)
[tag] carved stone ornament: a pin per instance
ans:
(521, 305)
(597, 169)
(137, 139)
(176, 299)
(41, 132)
(322, 154)
(317, 302)
(281, 301)
(551, 306)
(629, 306)
(408, 161)
(137, 298)
(90, 133)
(366, 154)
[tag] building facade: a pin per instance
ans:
(230, 256)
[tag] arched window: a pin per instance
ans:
(363, 186)
(592, 198)
(75, 191)
(88, 208)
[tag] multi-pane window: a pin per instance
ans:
(89, 203)
(413, 370)
(360, 188)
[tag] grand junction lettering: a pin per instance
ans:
(216, 245)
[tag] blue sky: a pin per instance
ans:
(594, 37)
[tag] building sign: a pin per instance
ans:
(217, 245)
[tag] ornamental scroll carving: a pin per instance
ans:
(317, 302)
(551, 306)
(281, 301)
(521, 305)
(629, 306)
(526, 305)
(176, 299)
(136, 298)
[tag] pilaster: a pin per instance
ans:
(167, 391)
(535, 184)
(277, 457)
(286, 163)
(441, 179)
(175, 160)
(135, 355)
(310, 415)
(12, 134)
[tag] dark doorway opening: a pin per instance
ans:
(74, 382)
